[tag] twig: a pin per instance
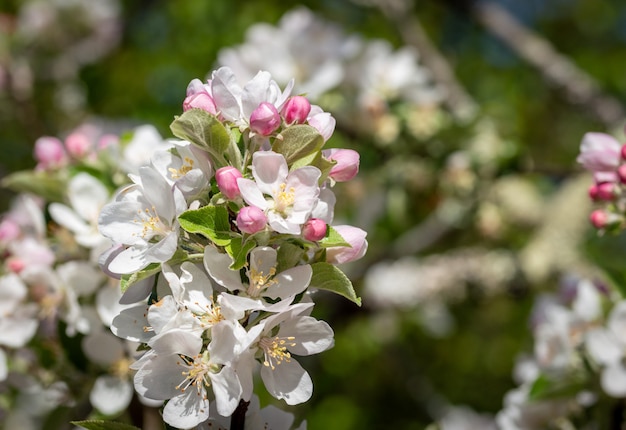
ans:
(557, 69)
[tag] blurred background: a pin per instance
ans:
(468, 117)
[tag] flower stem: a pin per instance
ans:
(238, 418)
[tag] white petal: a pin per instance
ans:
(311, 335)
(158, 376)
(111, 395)
(226, 93)
(254, 93)
(16, 332)
(187, 410)
(131, 324)
(288, 381)
(217, 264)
(290, 282)
(102, 348)
(87, 196)
(263, 259)
(603, 346)
(66, 217)
(176, 341)
(227, 390)
(251, 193)
(613, 380)
(617, 321)
(4, 367)
(269, 170)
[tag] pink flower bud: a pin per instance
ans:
(15, 265)
(226, 178)
(344, 254)
(324, 123)
(49, 152)
(347, 163)
(195, 86)
(296, 110)
(77, 145)
(265, 119)
(314, 229)
(200, 101)
(605, 191)
(251, 219)
(623, 152)
(108, 141)
(599, 218)
(600, 154)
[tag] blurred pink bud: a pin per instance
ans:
(226, 178)
(265, 119)
(600, 154)
(296, 110)
(599, 218)
(605, 191)
(344, 254)
(49, 152)
(314, 229)
(77, 145)
(347, 163)
(324, 123)
(623, 152)
(108, 141)
(9, 230)
(200, 101)
(251, 219)
(15, 265)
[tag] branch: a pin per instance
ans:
(557, 69)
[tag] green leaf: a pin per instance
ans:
(330, 278)
(49, 185)
(205, 131)
(103, 425)
(288, 256)
(333, 238)
(209, 221)
(299, 142)
(557, 386)
(133, 278)
(239, 252)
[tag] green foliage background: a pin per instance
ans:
(385, 370)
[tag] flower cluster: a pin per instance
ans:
(221, 239)
(578, 360)
(605, 157)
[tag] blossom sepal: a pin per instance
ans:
(333, 238)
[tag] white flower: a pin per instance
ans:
(263, 279)
(287, 51)
(185, 166)
(291, 196)
(607, 346)
(144, 216)
(17, 321)
(297, 334)
(180, 370)
(138, 152)
(236, 104)
(86, 196)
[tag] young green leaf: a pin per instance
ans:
(205, 131)
(298, 141)
(333, 238)
(209, 221)
(239, 252)
(133, 278)
(330, 278)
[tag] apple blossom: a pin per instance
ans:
(49, 153)
(292, 195)
(601, 155)
(357, 249)
(265, 119)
